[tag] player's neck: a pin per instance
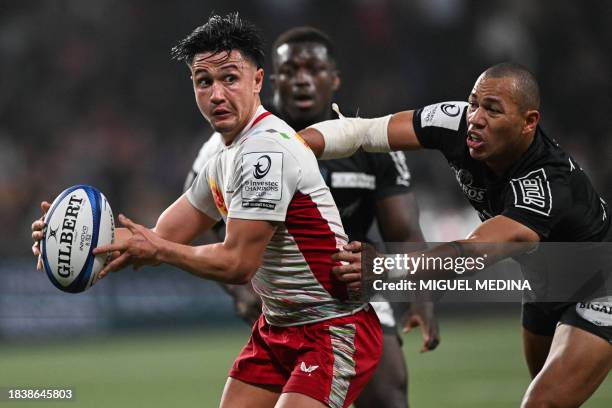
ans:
(229, 137)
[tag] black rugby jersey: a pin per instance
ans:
(357, 182)
(545, 190)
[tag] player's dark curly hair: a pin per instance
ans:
(222, 34)
(305, 34)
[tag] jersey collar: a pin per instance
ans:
(260, 114)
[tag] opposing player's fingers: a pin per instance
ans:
(35, 249)
(350, 278)
(353, 246)
(347, 269)
(344, 256)
(39, 263)
(354, 285)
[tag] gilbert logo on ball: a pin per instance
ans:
(79, 220)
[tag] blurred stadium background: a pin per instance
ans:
(88, 94)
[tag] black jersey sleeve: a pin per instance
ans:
(392, 174)
(441, 126)
(538, 201)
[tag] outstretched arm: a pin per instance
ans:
(234, 260)
(489, 238)
(342, 137)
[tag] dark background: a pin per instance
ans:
(88, 94)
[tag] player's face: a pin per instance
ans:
(496, 125)
(226, 88)
(304, 81)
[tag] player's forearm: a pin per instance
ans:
(400, 132)
(337, 138)
(469, 257)
(213, 262)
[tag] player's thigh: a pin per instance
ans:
(295, 400)
(535, 348)
(389, 386)
(577, 364)
(238, 394)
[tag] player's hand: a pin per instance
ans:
(38, 232)
(141, 248)
(422, 315)
(350, 270)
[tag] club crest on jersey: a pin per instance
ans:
(532, 192)
(262, 174)
(466, 181)
(444, 115)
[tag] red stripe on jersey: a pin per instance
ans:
(259, 118)
(316, 242)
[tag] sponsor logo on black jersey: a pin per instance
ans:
(450, 109)
(466, 180)
(262, 167)
(532, 192)
(443, 115)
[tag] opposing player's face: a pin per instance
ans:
(226, 88)
(496, 126)
(304, 81)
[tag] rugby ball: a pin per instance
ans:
(79, 220)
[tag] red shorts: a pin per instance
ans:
(330, 361)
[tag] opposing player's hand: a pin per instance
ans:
(38, 232)
(423, 316)
(141, 248)
(350, 270)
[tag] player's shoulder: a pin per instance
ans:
(546, 160)
(447, 115)
(209, 148)
(274, 133)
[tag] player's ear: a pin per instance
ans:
(532, 118)
(259, 75)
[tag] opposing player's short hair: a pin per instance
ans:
(222, 34)
(527, 90)
(305, 34)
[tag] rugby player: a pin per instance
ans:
(498, 151)
(312, 347)
(364, 186)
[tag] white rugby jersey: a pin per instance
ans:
(269, 173)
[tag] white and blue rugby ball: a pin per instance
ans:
(79, 220)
